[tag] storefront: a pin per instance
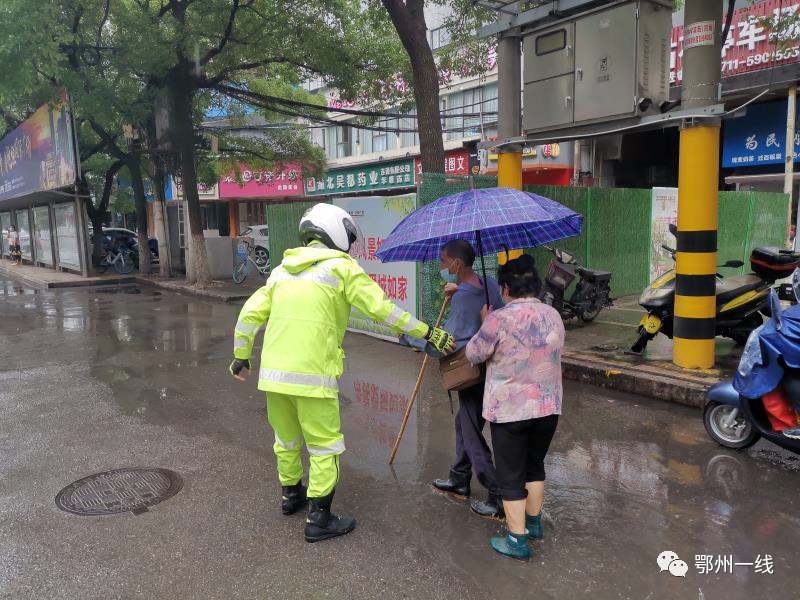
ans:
(548, 164)
(38, 170)
(247, 200)
(378, 196)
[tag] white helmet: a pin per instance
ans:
(331, 225)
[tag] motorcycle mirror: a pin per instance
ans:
(673, 229)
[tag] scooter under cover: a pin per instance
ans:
(759, 370)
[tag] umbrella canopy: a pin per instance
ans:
(491, 219)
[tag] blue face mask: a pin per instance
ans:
(448, 276)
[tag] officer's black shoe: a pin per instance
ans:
(457, 485)
(293, 497)
(492, 508)
(322, 524)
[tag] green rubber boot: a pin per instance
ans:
(534, 526)
(514, 545)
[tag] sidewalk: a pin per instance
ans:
(596, 353)
(43, 278)
(222, 291)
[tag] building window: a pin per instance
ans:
(344, 146)
(438, 37)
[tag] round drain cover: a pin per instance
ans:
(119, 491)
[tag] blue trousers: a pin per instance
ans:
(472, 451)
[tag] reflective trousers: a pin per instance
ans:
(315, 421)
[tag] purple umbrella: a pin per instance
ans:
(491, 219)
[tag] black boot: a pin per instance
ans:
(322, 524)
(293, 497)
(492, 508)
(456, 485)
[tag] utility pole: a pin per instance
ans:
(509, 117)
(698, 182)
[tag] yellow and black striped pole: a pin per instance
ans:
(698, 181)
(695, 285)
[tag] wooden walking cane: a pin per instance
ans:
(416, 389)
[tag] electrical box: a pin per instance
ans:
(610, 63)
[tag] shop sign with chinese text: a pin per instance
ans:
(365, 178)
(758, 138)
(748, 47)
(284, 180)
(455, 163)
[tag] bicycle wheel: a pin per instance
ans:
(124, 264)
(240, 272)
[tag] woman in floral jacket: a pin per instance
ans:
(521, 344)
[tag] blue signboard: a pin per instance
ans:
(758, 138)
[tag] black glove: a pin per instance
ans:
(238, 364)
(440, 339)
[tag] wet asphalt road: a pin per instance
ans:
(99, 379)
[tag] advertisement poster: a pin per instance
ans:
(377, 216)
(39, 154)
(665, 212)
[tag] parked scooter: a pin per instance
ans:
(592, 292)
(741, 300)
(741, 411)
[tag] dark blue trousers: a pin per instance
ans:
(472, 451)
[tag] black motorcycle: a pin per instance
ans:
(592, 292)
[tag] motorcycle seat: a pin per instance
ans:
(730, 287)
(593, 274)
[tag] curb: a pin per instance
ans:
(688, 390)
(43, 284)
(179, 288)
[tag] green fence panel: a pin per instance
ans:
(734, 216)
(770, 221)
(432, 187)
(283, 220)
(619, 236)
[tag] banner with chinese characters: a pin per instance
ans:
(365, 178)
(758, 138)
(280, 181)
(748, 47)
(377, 216)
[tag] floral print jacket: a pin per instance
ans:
(521, 345)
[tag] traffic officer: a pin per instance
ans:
(306, 305)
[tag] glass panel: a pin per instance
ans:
(67, 235)
(5, 222)
(24, 228)
(41, 235)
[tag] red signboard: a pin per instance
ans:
(455, 163)
(748, 46)
(265, 183)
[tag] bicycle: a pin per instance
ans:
(246, 254)
(120, 258)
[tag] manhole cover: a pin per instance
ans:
(119, 491)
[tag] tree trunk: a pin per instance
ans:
(141, 214)
(182, 139)
(409, 21)
(161, 222)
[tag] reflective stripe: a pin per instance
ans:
(395, 315)
(335, 448)
(240, 343)
(288, 445)
(246, 328)
(322, 274)
(308, 379)
(411, 325)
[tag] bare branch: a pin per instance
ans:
(226, 34)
